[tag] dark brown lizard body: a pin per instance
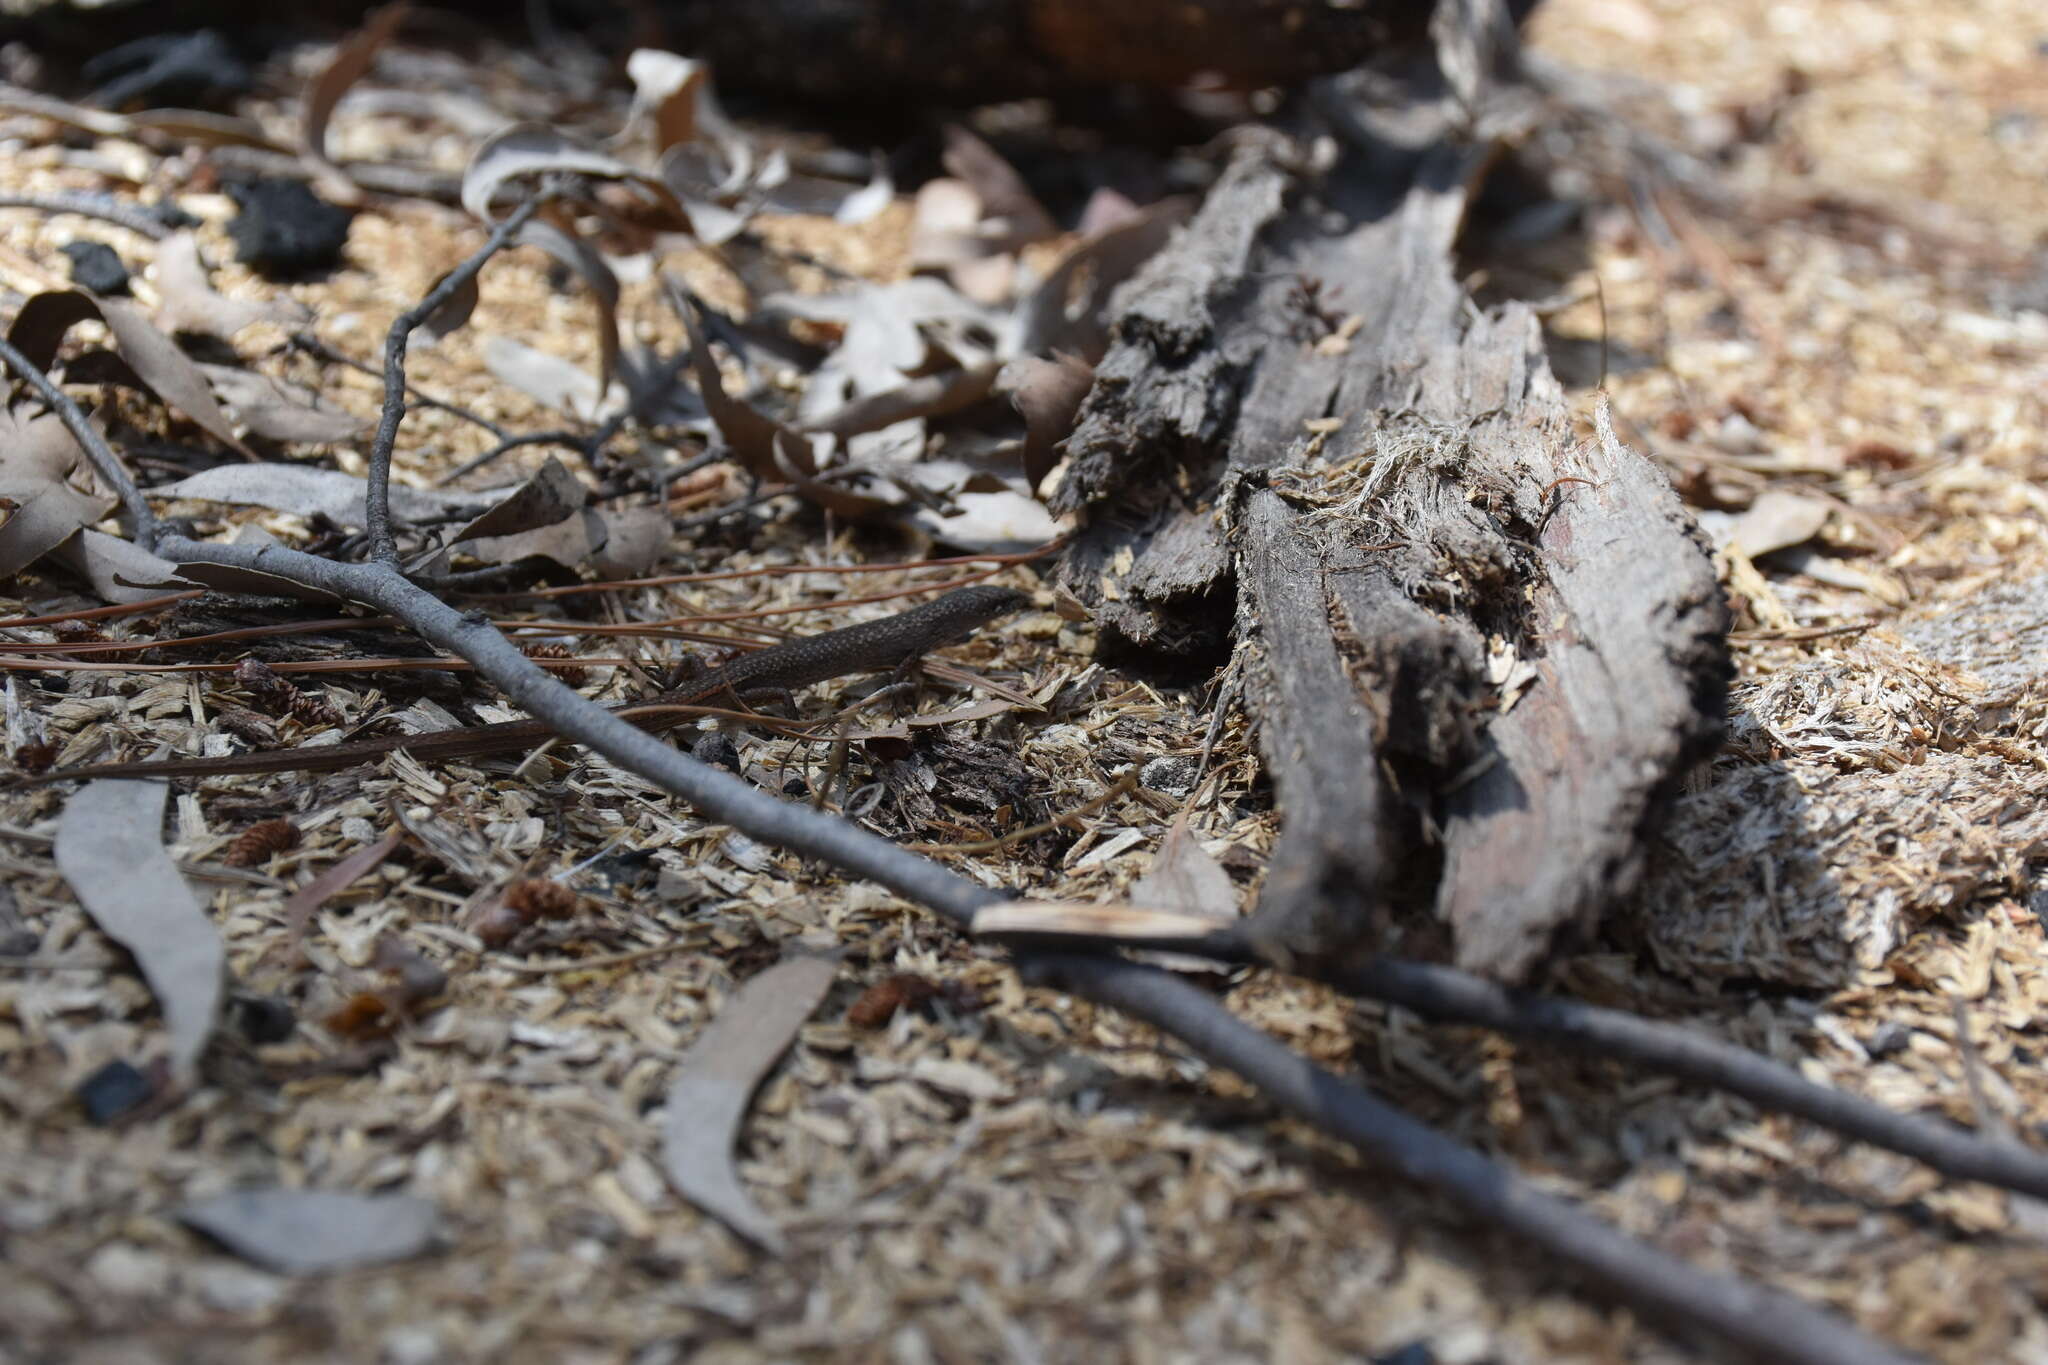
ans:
(870, 647)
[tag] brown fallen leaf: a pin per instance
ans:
(716, 1079)
(1018, 217)
(1048, 395)
(1065, 312)
(351, 61)
(310, 1232)
(39, 328)
(110, 850)
(307, 900)
(47, 491)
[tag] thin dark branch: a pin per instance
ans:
(574, 440)
(1443, 993)
(1769, 1325)
(377, 499)
(1766, 1325)
(134, 217)
(320, 350)
(1447, 995)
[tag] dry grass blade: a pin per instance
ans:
(717, 1077)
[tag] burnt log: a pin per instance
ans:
(1479, 651)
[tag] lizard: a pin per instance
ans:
(871, 646)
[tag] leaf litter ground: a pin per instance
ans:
(1004, 1172)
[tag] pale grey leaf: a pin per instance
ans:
(305, 491)
(279, 411)
(716, 1080)
(119, 570)
(46, 488)
(307, 1232)
(191, 304)
(110, 850)
(547, 379)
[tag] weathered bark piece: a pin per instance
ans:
(1478, 651)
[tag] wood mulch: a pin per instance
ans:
(1850, 885)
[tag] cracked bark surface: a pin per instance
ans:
(1479, 651)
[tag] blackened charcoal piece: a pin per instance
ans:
(112, 1091)
(97, 266)
(285, 229)
(170, 69)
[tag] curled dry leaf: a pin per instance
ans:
(931, 395)
(350, 63)
(190, 304)
(549, 496)
(47, 491)
(1048, 395)
(279, 411)
(561, 242)
(39, 329)
(533, 149)
(1065, 312)
(1017, 216)
(110, 850)
(1000, 522)
(716, 1079)
(765, 448)
(308, 1232)
(666, 93)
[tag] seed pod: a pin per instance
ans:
(257, 843)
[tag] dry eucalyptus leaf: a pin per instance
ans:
(943, 220)
(550, 496)
(1184, 878)
(47, 491)
(635, 539)
(547, 379)
(1777, 520)
(666, 89)
(351, 62)
(308, 1232)
(565, 246)
(190, 303)
(304, 491)
(119, 570)
(280, 411)
(110, 850)
(531, 149)
(1002, 522)
(1048, 394)
(931, 395)
(716, 1079)
(39, 329)
(1065, 312)
(1018, 216)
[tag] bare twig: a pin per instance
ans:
(134, 217)
(377, 499)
